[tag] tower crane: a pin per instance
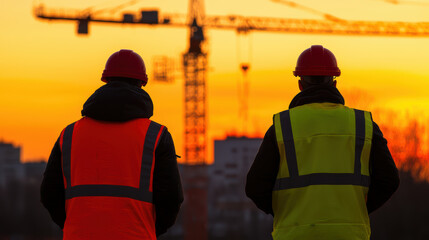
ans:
(242, 23)
(195, 69)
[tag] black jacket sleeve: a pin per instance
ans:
(383, 172)
(263, 173)
(167, 187)
(52, 189)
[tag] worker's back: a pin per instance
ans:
(323, 176)
(108, 173)
(113, 174)
(312, 170)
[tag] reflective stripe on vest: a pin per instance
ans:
(142, 193)
(296, 181)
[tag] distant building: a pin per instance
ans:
(9, 154)
(11, 168)
(231, 214)
(34, 171)
(21, 213)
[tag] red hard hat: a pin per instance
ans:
(125, 63)
(316, 61)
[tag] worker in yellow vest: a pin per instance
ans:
(322, 167)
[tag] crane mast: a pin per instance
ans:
(195, 136)
(195, 66)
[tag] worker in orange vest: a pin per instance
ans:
(113, 174)
(322, 167)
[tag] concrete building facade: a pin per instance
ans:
(11, 168)
(231, 214)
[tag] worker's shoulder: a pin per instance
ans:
(326, 106)
(159, 125)
(357, 109)
(165, 135)
(320, 109)
(132, 122)
(69, 126)
(319, 106)
(156, 123)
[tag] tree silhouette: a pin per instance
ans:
(406, 214)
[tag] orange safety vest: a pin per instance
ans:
(108, 172)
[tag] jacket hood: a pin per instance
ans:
(317, 94)
(118, 102)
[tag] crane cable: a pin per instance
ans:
(111, 10)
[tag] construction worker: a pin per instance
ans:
(322, 167)
(113, 174)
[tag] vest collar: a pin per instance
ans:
(118, 102)
(317, 94)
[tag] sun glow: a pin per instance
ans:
(47, 72)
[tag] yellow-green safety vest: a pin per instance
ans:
(323, 178)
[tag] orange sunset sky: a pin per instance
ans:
(47, 71)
